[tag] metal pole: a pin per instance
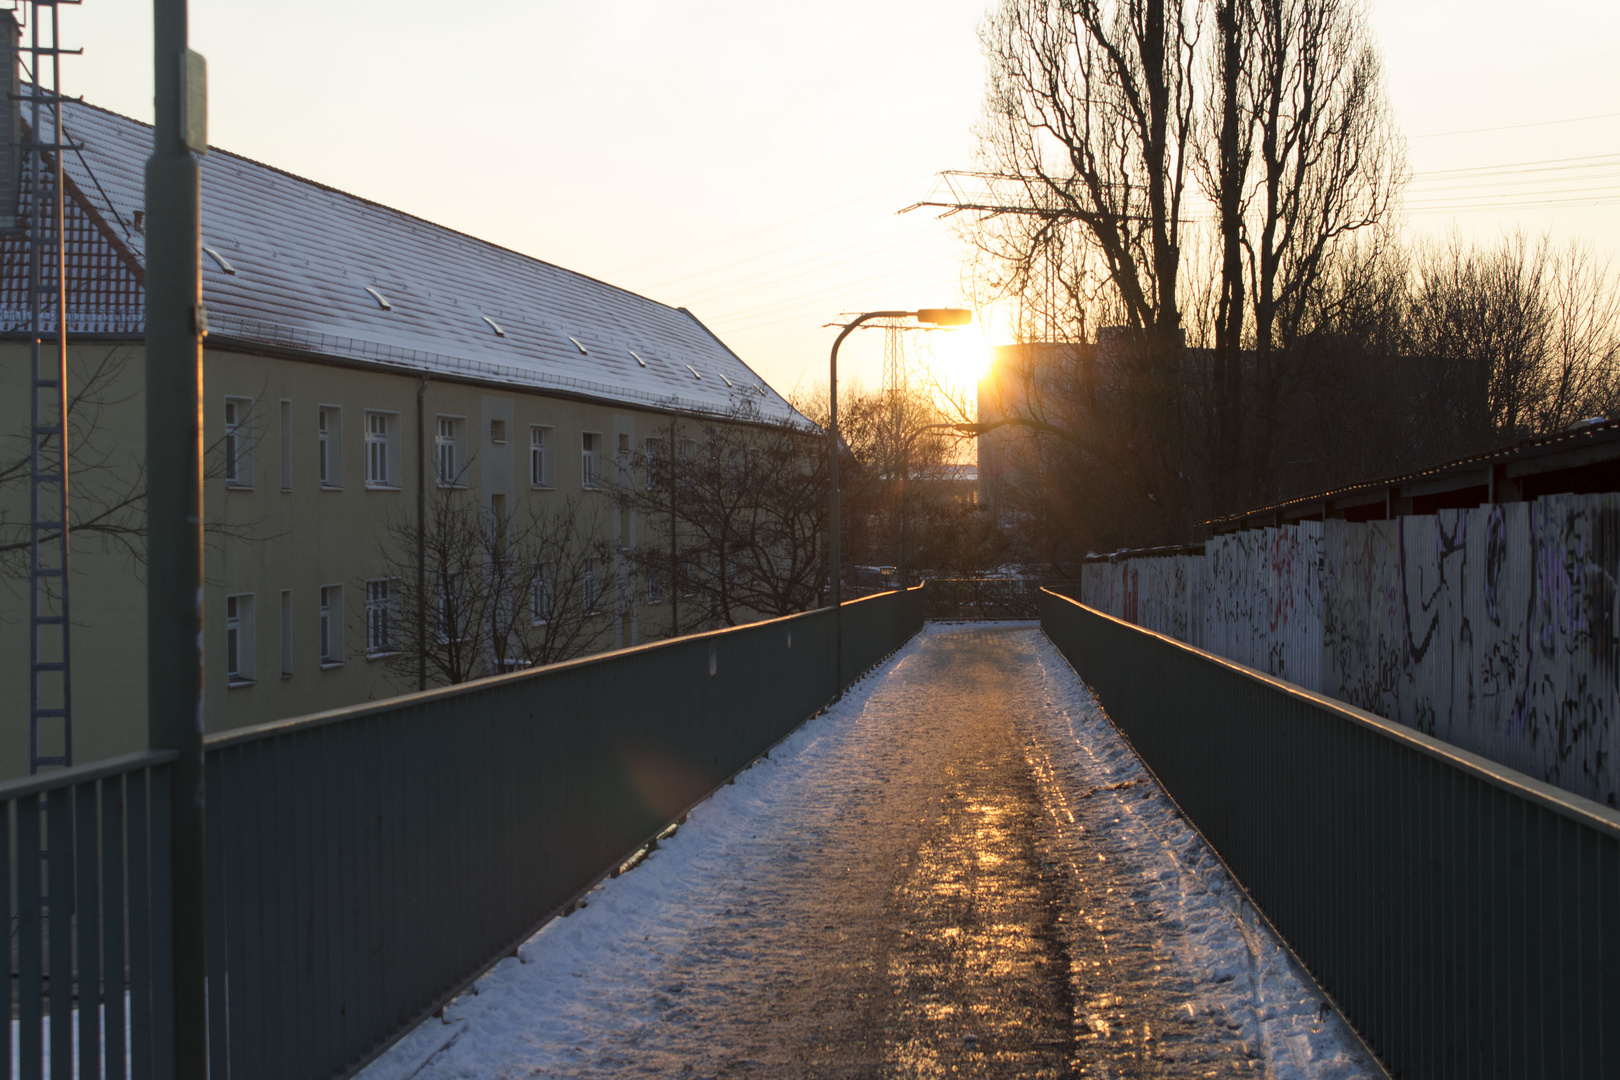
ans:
(175, 323)
(835, 555)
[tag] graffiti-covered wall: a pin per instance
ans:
(1495, 629)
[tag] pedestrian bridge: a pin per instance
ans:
(966, 863)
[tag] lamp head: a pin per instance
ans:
(950, 316)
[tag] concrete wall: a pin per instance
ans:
(1495, 629)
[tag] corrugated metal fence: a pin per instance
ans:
(365, 865)
(1465, 917)
(1496, 629)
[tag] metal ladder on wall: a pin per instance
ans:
(50, 690)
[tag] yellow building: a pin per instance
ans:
(360, 364)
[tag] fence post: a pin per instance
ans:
(175, 324)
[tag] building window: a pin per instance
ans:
(654, 449)
(331, 625)
(450, 605)
(239, 442)
(590, 592)
(286, 634)
(655, 587)
(539, 456)
(624, 592)
(329, 446)
(239, 639)
(448, 463)
(382, 468)
(286, 445)
(589, 447)
(380, 618)
(497, 432)
(542, 597)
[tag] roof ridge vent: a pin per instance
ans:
(493, 325)
(220, 259)
(382, 301)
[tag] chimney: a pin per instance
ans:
(11, 142)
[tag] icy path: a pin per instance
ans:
(960, 869)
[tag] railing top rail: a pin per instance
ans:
(79, 774)
(1575, 807)
(277, 728)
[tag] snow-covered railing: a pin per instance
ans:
(84, 888)
(1465, 917)
(365, 865)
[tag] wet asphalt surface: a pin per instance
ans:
(955, 922)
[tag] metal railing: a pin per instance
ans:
(1465, 917)
(983, 598)
(85, 858)
(366, 865)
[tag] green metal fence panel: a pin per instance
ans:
(366, 864)
(76, 851)
(1465, 917)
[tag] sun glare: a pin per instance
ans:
(961, 357)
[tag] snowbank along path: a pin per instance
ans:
(960, 869)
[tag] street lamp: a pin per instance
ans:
(927, 317)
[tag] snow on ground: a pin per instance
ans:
(596, 988)
(1242, 970)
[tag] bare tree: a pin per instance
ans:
(735, 511)
(1090, 109)
(499, 595)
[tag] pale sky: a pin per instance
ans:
(746, 159)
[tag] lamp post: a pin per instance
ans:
(927, 317)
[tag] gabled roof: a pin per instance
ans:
(298, 265)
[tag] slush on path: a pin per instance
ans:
(960, 869)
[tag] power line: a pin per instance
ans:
(1516, 127)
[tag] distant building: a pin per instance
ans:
(356, 356)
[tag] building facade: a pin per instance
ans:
(362, 367)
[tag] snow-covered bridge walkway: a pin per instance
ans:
(960, 869)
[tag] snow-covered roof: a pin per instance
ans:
(294, 264)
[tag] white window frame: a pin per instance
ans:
(590, 448)
(657, 464)
(543, 594)
(541, 447)
(239, 643)
(381, 618)
(329, 447)
(331, 633)
(590, 590)
(238, 443)
(441, 605)
(497, 431)
(382, 450)
(450, 451)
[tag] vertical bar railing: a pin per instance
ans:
(88, 918)
(1465, 917)
(363, 866)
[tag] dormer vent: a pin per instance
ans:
(639, 360)
(694, 372)
(382, 301)
(582, 350)
(220, 259)
(493, 325)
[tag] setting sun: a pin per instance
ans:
(960, 358)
